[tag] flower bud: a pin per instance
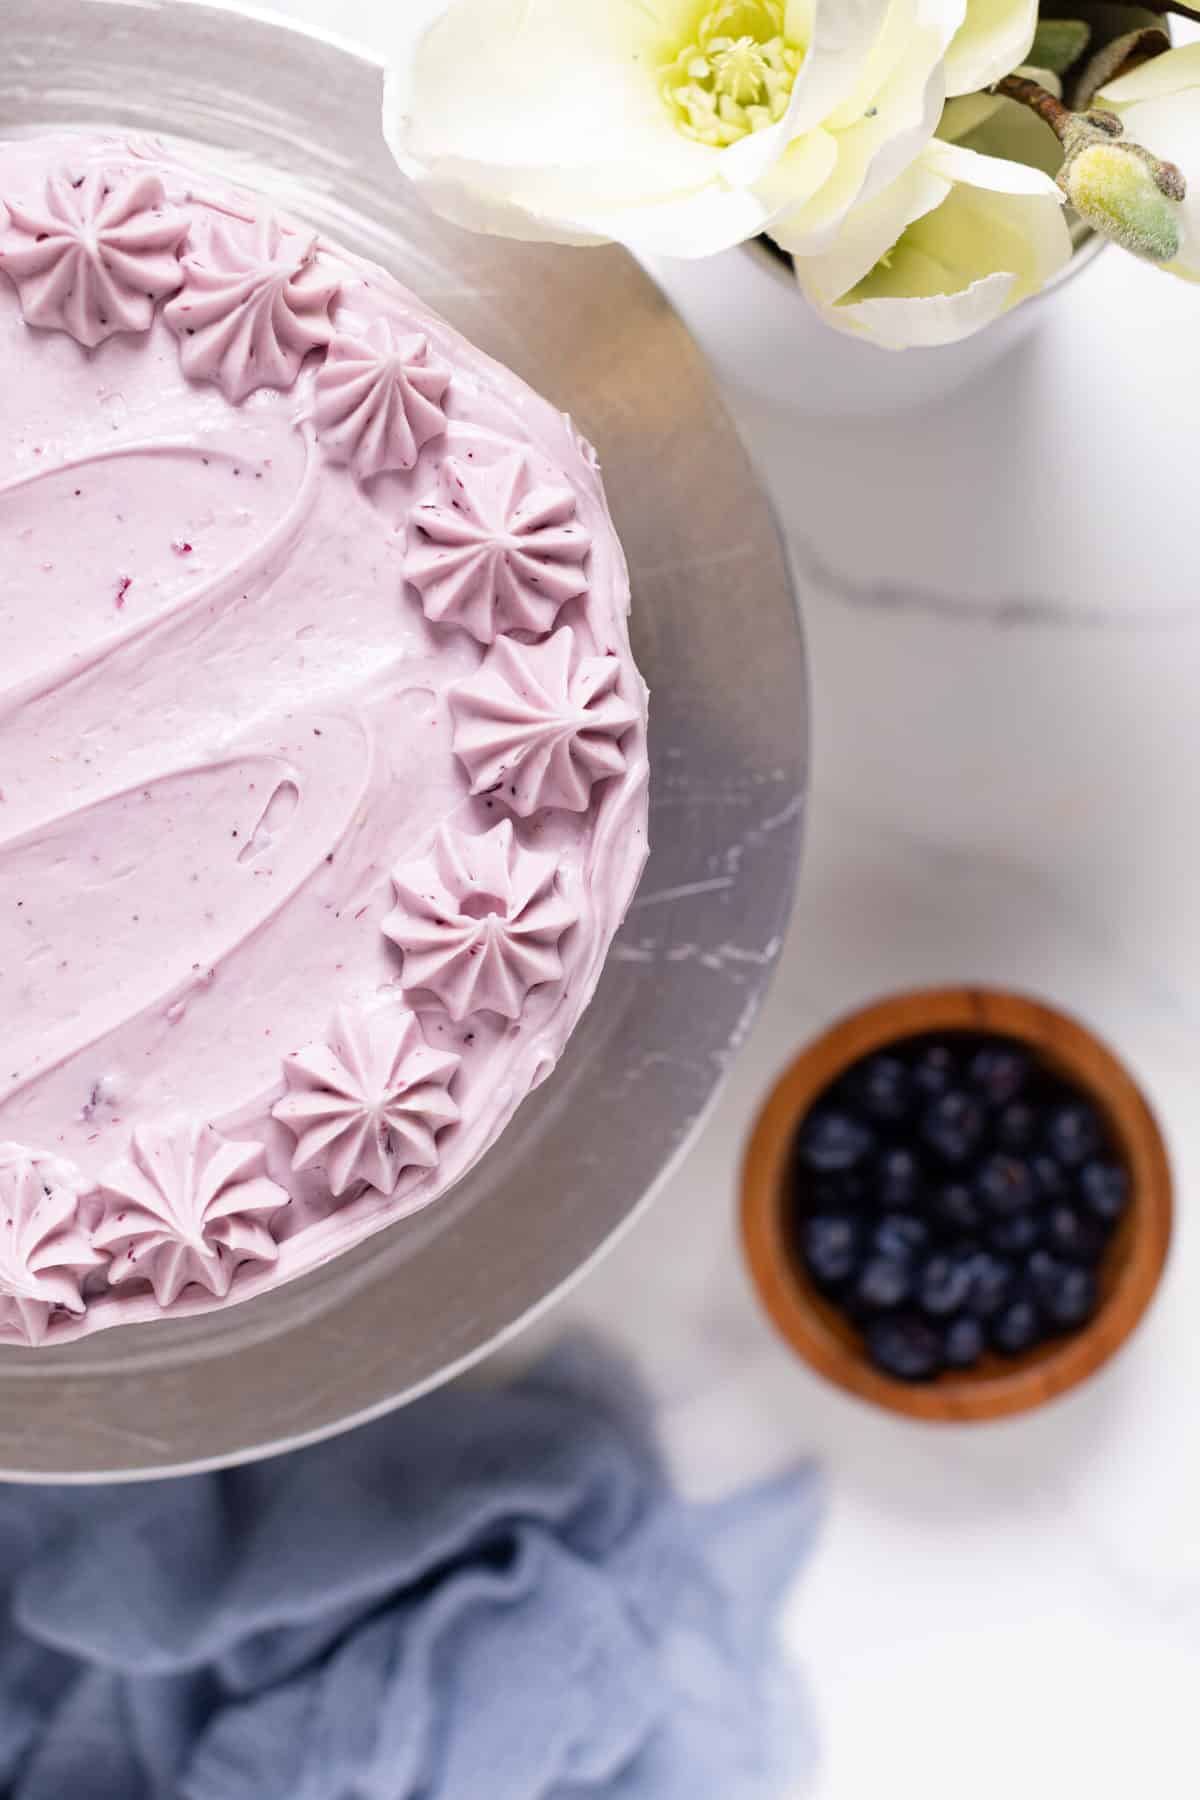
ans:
(1124, 192)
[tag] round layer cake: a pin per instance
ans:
(323, 775)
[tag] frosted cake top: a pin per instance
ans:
(322, 750)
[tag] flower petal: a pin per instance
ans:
(1161, 78)
(929, 321)
(870, 231)
(880, 132)
(525, 113)
(838, 38)
(995, 236)
(799, 175)
(994, 37)
(991, 174)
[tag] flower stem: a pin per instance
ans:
(1039, 100)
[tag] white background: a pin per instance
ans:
(1001, 600)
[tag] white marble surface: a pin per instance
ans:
(1002, 607)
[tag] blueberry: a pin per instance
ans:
(1073, 1133)
(1072, 1301)
(1017, 1126)
(883, 1087)
(1072, 1234)
(830, 1242)
(951, 1198)
(832, 1143)
(900, 1236)
(1016, 1235)
(935, 1071)
(954, 1126)
(962, 1344)
(1066, 1292)
(944, 1285)
(1043, 1269)
(1105, 1190)
(905, 1347)
(883, 1281)
(1017, 1326)
(1049, 1178)
(897, 1179)
(998, 1072)
(993, 1279)
(956, 1206)
(833, 1193)
(1005, 1186)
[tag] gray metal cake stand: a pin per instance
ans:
(716, 632)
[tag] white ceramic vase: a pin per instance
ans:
(754, 324)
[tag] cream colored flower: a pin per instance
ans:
(680, 127)
(954, 242)
(1159, 106)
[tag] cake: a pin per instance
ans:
(323, 772)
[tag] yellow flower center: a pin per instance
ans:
(737, 74)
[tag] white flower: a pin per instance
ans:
(680, 127)
(994, 37)
(957, 240)
(1159, 106)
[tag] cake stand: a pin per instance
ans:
(716, 633)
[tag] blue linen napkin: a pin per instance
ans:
(487, 1596)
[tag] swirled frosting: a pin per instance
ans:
(500, 548)
(539, 728)
(187, 1205)
(322, 749)
(92, 254)
(369, 1101)
(254, 302)
(44, 1249)
(379, 395)
(479, 921)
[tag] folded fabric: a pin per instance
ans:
(487, 1596)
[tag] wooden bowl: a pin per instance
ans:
(997, 1385)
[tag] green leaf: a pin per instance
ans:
(1059, 43)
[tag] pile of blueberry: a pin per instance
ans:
(952, 1197)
